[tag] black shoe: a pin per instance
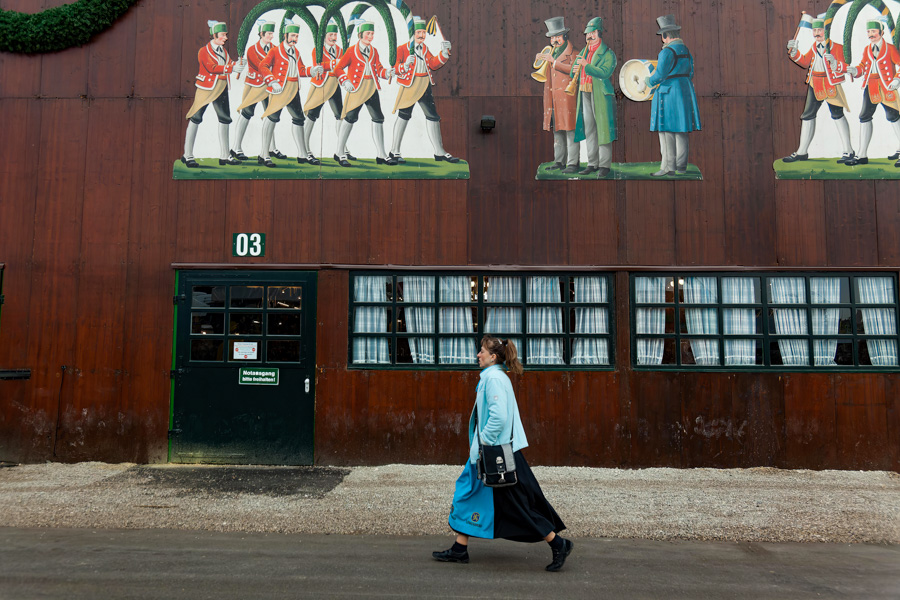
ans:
(239, 155)
(265, 161)
(351, 157)
(399, 158)
(897, 164)
(229, 161)
(449, 555)
(894, 156)
(278, 154)
(309, 159)
(390, 161)
(603, 172)
(794, 157)
(559, 556)
(572, 169)
(447, 157)
(588, 170)
(845, 157)
(341, 161)
(856, 160)
(555, 166)
(190, 163)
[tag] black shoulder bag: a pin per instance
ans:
(496, 465)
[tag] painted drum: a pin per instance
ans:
(640, 69)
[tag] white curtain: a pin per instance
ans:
(878, 321)
(544, 319)
(739, 321)
(371, 319)
(591, 351)
(702, 290)
(456, 319)
(825, 321)
(650, 320)
(790, 321)
(419, 319)
(504, 319)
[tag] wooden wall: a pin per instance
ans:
(91, 220)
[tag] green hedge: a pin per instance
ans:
(58, 28)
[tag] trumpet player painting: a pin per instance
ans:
(852, 67)
(580, 104)
(293, 59)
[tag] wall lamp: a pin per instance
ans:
(488, 122)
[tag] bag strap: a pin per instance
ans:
(478, 424)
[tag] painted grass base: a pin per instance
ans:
(365, 168)
(619, 171)
(827, 168)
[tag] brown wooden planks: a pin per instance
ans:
(887, 207)
(100, 324)
(749, 201)
(657, 434)
(708, 423)
(159, 26)
(744, 58)
(850, 221)
(111, 59)
(757, 402)
(800, 209)
(296, 228)
(861, 421)
(810, 422)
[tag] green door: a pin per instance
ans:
(243, 378)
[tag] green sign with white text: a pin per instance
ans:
(257, 376)
(248, 244)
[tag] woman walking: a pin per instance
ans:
(520, 512)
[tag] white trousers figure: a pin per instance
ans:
(599, 155)
(565, 150)
(674, 148)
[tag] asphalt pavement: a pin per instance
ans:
(114, 563)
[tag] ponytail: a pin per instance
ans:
(506, 352)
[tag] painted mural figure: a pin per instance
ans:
(212, 88)
(560, 113)
(414, 66)
(596, 111)
(324, 89)
(282, 69)
(673, 112)
(254, 90)
(358, 71)
(825, 61)
(881, 78)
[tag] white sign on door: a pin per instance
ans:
(245, 350)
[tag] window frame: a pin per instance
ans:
(481, 306)
(765, 337)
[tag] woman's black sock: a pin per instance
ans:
(556, 543)
(457, 547)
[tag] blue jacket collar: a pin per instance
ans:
(486, 369)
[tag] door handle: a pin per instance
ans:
(306, 385)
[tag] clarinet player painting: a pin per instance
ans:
(300, 62)
(582, 81)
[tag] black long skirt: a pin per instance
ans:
(519, 513)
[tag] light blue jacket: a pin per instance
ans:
(498, 413)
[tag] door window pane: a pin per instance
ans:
(284, 323)
(246, 296)
(207, 349)
(245, 324)
(208, 296)
(283, 351)
(208, 323)
(286, 297)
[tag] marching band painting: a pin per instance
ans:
(580, 106)
(371, 64)
(852, 65)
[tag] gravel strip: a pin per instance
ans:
(759, 505)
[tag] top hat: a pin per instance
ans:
(556, 26)
(667, 24)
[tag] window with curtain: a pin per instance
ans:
(410, 320)
(729, 321)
